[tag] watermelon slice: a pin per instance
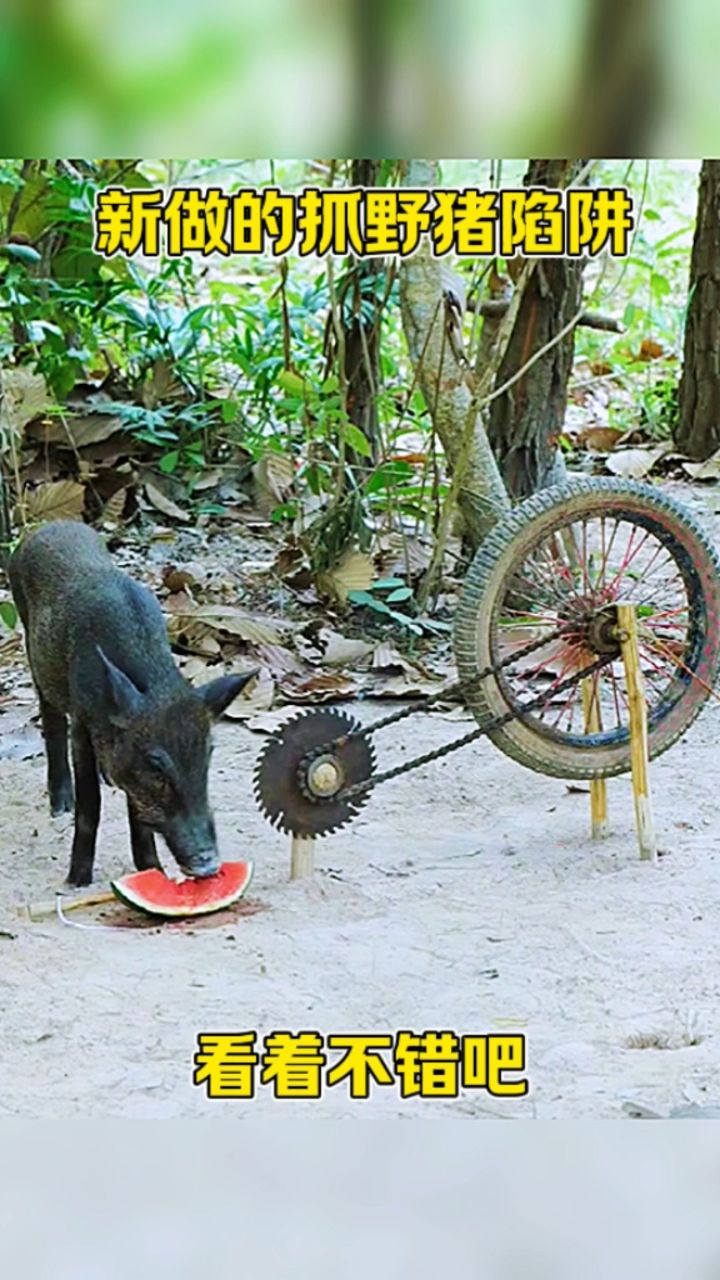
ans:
(156, 894)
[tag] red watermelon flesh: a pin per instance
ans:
(156, 894)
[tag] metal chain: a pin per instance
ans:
(460, 687)
(497, 722)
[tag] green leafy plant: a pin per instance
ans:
(8, 614)
(389, 591)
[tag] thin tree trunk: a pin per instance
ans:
(444, 377)
(622, 81)
(698, 432)
(525, 423)
(362, 335)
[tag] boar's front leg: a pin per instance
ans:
(59, 781)
(87, 806)
(142, 842)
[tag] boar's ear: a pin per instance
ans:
(218, 694)
(123, 698)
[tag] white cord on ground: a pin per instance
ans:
(75, 924)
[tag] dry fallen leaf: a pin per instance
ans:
(256, 696)
(339, 650)
(176, 578)
(271, 721)
(107, 452)
(289, 560)
(161, 384)
(189, 635)
(650, 350)
(273, 477)
(195, 669)
(207, 480)
(599, 439)
(329, 648)
(633, 464)
(280, 660)
(163, 503)
(401, 686)
(355, 571)
(59, 500)
(79, 430)
(400, 553)
(317, 688)
(114, 507)
(253, 629)
(387, 658)
(206, 644)
(707, 470)
(24, 397)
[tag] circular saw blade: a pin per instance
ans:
(278, 787)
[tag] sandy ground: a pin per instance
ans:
(467, 896)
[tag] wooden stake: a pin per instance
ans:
(302, 857)
(598, 786)
(627, 625)
(43, 910)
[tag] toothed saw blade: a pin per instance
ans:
(281, 784)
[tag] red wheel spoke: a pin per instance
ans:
(567, 707)
(629, 556)
(663, 671)
(613, 677)
(584, 557)
(564, 669)
(609, 549)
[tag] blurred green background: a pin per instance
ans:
(371, 77)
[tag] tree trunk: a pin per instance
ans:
(443, 378)
(622, 80)
(526, 422)
(362, 335)
(698, 431)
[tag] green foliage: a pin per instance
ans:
(651, 283)
(381, 595)
(342, 524)
(659, 408)
(8, 614)
(206, 361)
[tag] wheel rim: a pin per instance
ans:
(573, 574)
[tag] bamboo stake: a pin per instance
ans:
(302, 857)
(598, 786)
(43, 910)
(644, 822)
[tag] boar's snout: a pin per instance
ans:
(201, 865)
(193, 844)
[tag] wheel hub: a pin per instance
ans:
(602, 633)
(324, 777)
(595, 627)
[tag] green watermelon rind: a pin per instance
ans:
(130, 899)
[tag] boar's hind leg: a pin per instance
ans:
(87, 807)
(59, 781)
(142, 842)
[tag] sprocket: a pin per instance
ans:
(301, 791)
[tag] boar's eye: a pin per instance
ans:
(159, 762)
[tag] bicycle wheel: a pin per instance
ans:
(565, 557)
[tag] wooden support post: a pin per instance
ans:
(598, 786)
(302, 857)
(628, 635)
